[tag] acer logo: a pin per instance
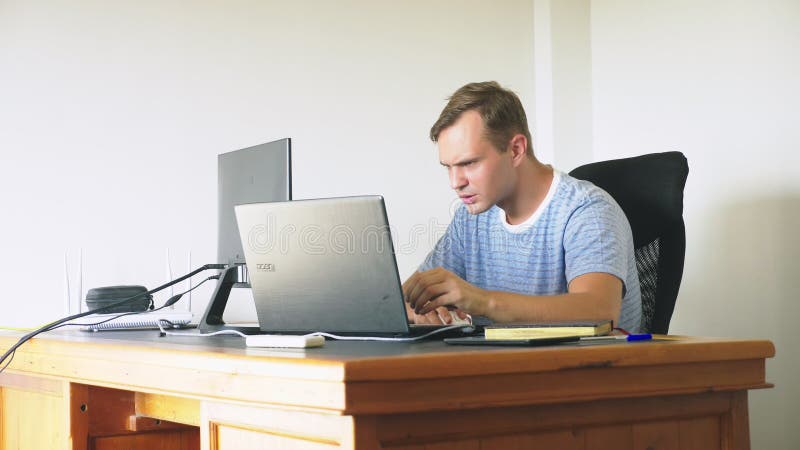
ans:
(268, 267)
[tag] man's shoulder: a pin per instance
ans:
(579, 193)
(579, 189)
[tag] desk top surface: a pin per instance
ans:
(381, 377)
(394, 360)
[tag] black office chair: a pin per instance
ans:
(649, 189)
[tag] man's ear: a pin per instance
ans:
(518, 147)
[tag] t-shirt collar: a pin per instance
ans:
(524, 226)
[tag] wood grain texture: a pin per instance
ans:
(736, 424)
(591, 383)
(556, 358)
(109, 410)
(4, 421)
(34, 420)
(617, 437)
(185, 440)
(657, 435)
(599, 420)
(169, 408)
(689, 434)
(142, 423)
(228, 423)
(700, 434)
(683, 393)
(78, 416)
(22, 382)
(230, 437)
(341, 378)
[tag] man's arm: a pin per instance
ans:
(591, 296)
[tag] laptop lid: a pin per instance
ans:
(323, 265)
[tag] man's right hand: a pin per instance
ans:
(439, 316)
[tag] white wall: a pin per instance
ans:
(718, 81)
(112, 114)
(563, 82)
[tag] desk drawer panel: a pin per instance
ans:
(33, 413)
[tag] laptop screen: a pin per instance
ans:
(322, 265)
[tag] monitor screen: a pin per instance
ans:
(257, 174)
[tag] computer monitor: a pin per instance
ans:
(262, 173)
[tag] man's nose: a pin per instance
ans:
(457, 178)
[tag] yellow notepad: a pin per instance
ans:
(549, 329)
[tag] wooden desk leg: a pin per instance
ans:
(35, 413)
(736, 424)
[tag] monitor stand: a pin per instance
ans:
(212, 318)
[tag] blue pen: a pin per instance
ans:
(640, 337)
(620, 337)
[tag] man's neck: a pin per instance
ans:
(533, 183)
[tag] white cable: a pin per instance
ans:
(169, 274)
(67, 295)
(189, 281)
(215, 333)
(80, 279)
(467, 328)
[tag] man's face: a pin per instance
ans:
(480, 175)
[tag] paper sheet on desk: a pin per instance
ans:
(137, 321)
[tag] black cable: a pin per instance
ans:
(104, 321)
(9, 361)
(167, 303)
(57, 323)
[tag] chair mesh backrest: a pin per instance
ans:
(647, 267)
(649, 189)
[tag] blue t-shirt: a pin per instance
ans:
(577, 229)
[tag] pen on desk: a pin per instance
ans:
(620, 337)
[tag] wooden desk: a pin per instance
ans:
(135, 390)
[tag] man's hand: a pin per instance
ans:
(427, 292)
(439, 316)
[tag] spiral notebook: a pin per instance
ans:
(139, 321)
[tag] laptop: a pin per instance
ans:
(324, 265)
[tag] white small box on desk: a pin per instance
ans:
(284, 341)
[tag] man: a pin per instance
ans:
(529, 243)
